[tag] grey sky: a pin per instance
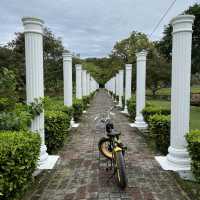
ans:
(90, 27)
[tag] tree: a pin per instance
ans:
(158, 71)
(53, 69)
(165, 45)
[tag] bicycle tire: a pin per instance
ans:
(103, 148)
(120, 170)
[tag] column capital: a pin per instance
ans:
(141, 55)
(128, 66)
(33, 25)
(182, 23)
(78, 66)
(67, 55)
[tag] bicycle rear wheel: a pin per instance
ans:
(120, 169)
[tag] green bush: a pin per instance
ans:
(131, 106)
(19, 153)
(150, 110)
(86, 101)
(193, 139)
(57, 105)
(6, 104)
(77, 109)
(57, 124)
(159, 126)
(123, 102)
(16, 120)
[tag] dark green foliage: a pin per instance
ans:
(36, 107)
(17, 119)
(57, 105)
(193, 139)
(19, 153)
(57, 124)
(77, 109)
(150, 110)
(159, 126)
(165, 45)
(6, 104)
(131, 106)
(86, 101)
(123, 102)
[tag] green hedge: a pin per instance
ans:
(159, 126)
(150, 110)
(77, 109)
(57, 124)
(86, 101)
(57, 105)
(19, 153)
(17, 119)
(193, 139)
(131, 106)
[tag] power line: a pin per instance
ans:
(164, 15)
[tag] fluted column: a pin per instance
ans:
(78, 81)
(84, 83)
(128, 85)
(178, 158)
(87, 78)
(140, 90)
(33, 31)
(121, 86)
(67, 75)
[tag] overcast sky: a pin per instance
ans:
(90, 27)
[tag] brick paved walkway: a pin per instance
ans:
(80, 175)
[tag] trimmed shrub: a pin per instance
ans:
(123, 102)
(131, 106)
(193, 139)
(57, 124)
(6, 104)
(16, 120)
(150, 110)
(159, 126)
(19, 153)
(77, 109)
(86, 101)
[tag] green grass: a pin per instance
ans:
(194, 112)
(167, 91)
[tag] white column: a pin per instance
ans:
(67, 75)
(121, 86)
(87, 83)
(78, 81)
(33, 30)
(128, 85)
(140, 90)
(178, 158)
(84, 83)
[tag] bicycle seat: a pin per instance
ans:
(113, 133)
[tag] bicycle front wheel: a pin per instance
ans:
(120, 169)
(105, 148)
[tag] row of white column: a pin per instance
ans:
(177, 158)
(85, 84)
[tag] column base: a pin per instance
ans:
(177, 160)
(49, 162)
(140, 125)
(125, 111)
(73, 124)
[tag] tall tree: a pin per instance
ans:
(165, 45)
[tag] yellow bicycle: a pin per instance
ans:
(112, 148)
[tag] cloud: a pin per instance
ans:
(89, 27)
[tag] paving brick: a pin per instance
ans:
(81, 175)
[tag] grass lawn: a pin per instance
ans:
(167, 91)
(194, 112)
